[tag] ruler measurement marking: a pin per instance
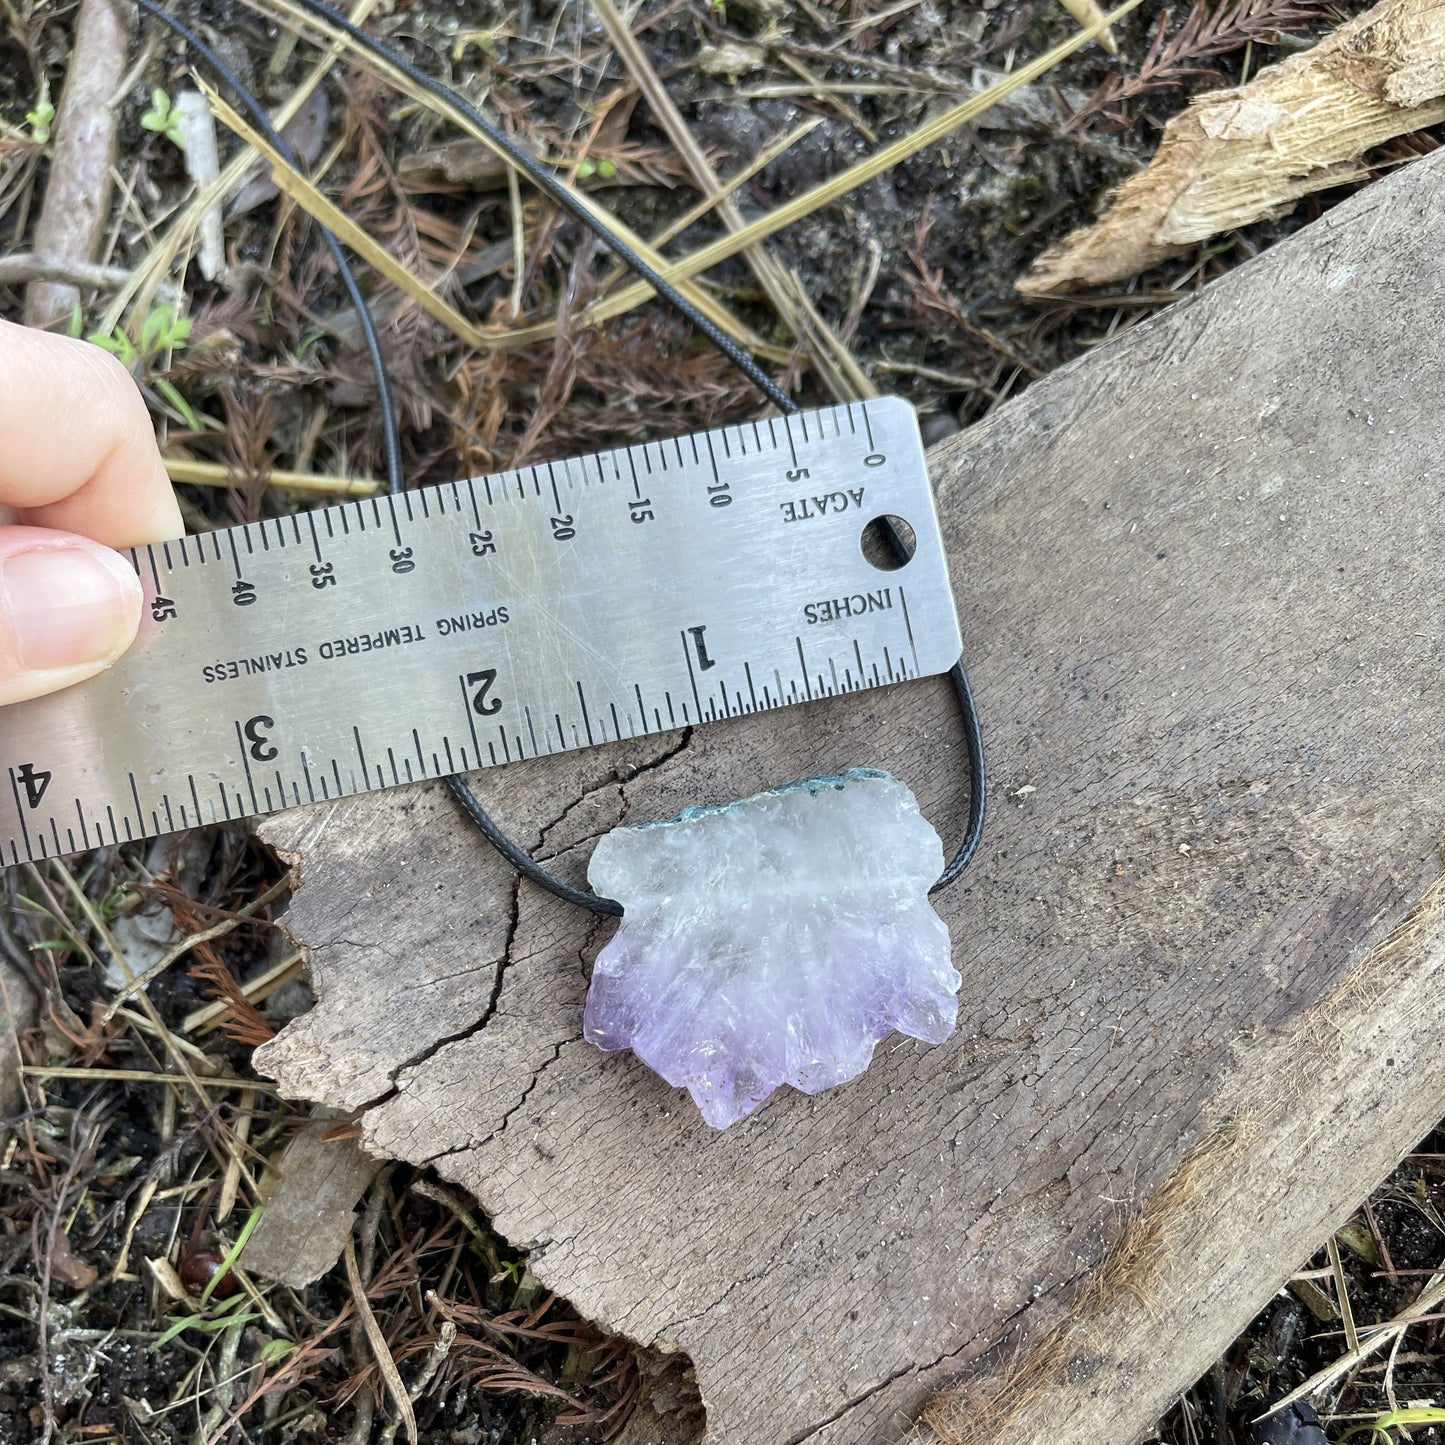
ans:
(315, 539)
(868, 424)
(196, 799)
(361, 755)
(476, 510)
(471, 721)
(792, 446)
(19, 812)
(556, 499)
(140, 817)
(586, 721)
(908, 623)
(245, 763)
(691, 676)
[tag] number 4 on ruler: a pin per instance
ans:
(34, 783)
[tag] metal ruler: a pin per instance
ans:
(457, 627)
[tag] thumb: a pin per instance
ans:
(68, 608)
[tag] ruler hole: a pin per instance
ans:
(889, 542)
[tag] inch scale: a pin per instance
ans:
(390, 640)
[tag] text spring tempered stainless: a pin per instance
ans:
(385, 641)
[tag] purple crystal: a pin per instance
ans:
(772, 941)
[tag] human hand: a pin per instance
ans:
(80, 473)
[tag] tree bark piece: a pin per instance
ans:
(77, 195)
(1243, 155)
(312, 1206)
(1194, 581)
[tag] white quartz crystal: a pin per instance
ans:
(773, 941)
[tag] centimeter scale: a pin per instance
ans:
(390, 640)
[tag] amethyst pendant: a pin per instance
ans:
(773, 941)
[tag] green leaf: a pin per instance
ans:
(177, 1324)
(117, 343)
(274, 1350)
(606, 169)
(188, 413)
(234, 1253)
(39, 120)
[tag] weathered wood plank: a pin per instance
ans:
(1195, 573)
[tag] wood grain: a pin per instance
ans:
(1197, 581)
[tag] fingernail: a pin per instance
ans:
(69, 606)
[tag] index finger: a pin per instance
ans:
(77, 452)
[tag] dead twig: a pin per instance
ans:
(77, 195)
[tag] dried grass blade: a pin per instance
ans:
(832, 359)
(1087, 12)
(377, 1341)
(214, 474)
(146, 277)
(295, 185)
(705, 302)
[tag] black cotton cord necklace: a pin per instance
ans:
(549, 185)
